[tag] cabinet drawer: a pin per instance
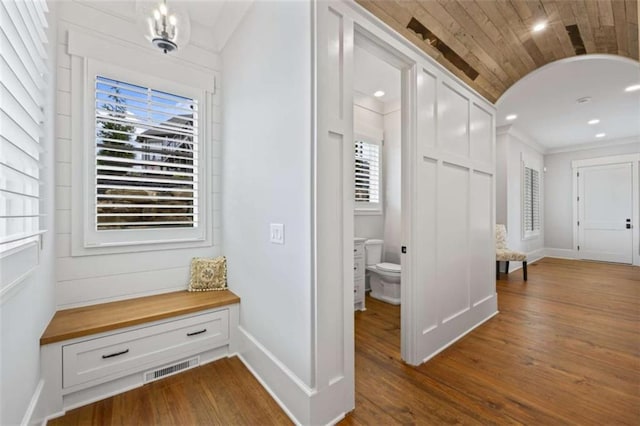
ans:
(123, 353)
(358, 250)
(358, 290)
(358, 267)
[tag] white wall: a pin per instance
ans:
(392, 162)
(267, 175)
(25, 310)
(558, 211)
(86, 280)
(368, 120)
(511, 147)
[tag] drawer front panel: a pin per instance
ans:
(358, 250)
(122, 353)
(358, 290)
(358, 267)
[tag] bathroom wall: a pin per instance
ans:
(368, 118)
(392, 175)
(380, 120)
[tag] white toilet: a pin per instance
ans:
(384, 278)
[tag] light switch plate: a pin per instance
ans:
(277, 233)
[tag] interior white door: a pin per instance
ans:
(605, 213)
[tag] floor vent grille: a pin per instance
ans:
(169, 370)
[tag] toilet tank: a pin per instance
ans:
(373, 252)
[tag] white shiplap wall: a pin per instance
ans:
(84, 280)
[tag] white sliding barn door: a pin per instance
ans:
(453, 214)
(605, 211)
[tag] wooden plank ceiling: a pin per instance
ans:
(490, 43)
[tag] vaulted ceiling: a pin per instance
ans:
(490, 44)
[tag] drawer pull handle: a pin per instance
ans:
(204, 330)
(115, 354)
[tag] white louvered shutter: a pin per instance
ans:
(23, 83)
(531, 200)
(367, 172)
(146, 157)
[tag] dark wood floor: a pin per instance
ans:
(565, 349)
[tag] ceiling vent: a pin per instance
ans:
(447, 52)
(576, 39)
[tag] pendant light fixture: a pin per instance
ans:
(163, 27)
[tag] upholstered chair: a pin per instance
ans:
(505, 255)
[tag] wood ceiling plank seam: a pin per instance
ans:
(392, 21)
(546, 40)
(631, 8)
(489, 90)
(510, 38)
(620, 21)
(634, 47)
(484, 23)
(480, 85)
(481, 18)
(558, 24)
(584, 26)
(605, 15)
(486, 49)
(591, 8)
(454, 33)
(524, 35)
(521, 9)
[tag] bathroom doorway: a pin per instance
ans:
(377, 130)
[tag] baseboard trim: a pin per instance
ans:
(469, 330)
(532, 257)
(287, 389)
(33, 403)
(560, 253)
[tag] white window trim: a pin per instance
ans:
(371, 209)
(531, 163)
(86, 240)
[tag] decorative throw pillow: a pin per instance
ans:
(208, 274)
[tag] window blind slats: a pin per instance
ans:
(37, 24)
(144, 125)
(13, 109)
(23, 70)
(367, 172)
(31, 28)
(531, 200)
(10, 64)
(19, 37)
(146, 158)
(16, 136)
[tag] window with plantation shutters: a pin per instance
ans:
(531, 202)
(23, 66)
(367, 182)
(147, 158)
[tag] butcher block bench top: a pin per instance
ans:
(77, 322)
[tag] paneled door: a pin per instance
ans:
(605, 208)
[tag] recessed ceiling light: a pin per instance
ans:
(511, 117)
(594, 121)
(632, 88)
(379, 94)
(600, 135)
(539, 27)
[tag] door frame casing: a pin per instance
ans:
(374, 44)
(634, 160)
